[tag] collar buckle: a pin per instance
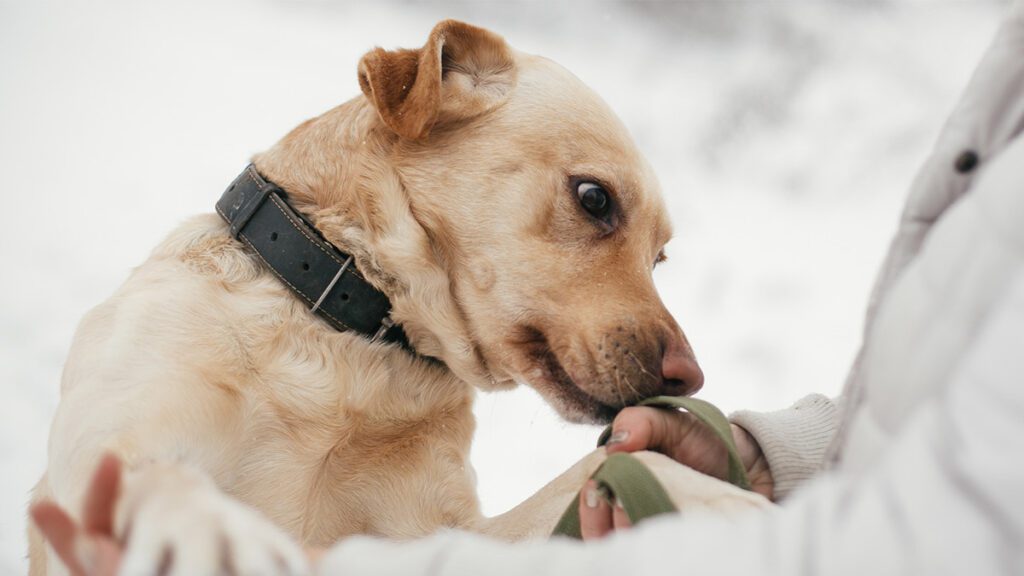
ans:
(330, 286)
(385, 324)
(259, 215)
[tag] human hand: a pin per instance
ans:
(680, 436)
(90, 548)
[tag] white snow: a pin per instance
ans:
(784, 134)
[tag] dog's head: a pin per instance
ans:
(543, 215)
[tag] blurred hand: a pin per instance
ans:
(683, 438)
(88, 549)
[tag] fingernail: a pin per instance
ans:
(618, 504)
(618, 437)
(591, 497)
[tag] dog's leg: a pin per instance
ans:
(174, 514)
(175, 517)
(537, 516)
(174, 439)
(688, 489)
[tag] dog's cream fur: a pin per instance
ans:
(448, 180)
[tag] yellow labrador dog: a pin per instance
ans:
(511, 225)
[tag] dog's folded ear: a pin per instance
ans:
(461, 72)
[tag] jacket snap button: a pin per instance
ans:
(966, 161)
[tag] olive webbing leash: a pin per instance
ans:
(634, 486)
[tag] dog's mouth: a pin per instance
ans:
(546, 374)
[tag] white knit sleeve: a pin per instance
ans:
(794, 440)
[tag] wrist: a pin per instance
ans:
(754, 462)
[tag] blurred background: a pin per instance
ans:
(784, 134)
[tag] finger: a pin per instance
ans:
(640, 428)
(60, 531)
(595, 513)
(98, 512)
(620, 520)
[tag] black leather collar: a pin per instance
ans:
(322, 276)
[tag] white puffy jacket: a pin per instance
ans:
(928, 466)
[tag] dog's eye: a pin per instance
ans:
(660, 258)
(594, 199)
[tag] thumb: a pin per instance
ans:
(645, 428)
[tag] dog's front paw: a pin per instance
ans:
(198, 531)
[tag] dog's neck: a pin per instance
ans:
(338, 171)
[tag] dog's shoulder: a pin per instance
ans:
(205, 246)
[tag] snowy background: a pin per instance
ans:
(784, 134)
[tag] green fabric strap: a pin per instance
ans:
(707, 413)
(634, 486)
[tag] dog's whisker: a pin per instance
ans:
(641, 366)
(618, 387)
(636, 393)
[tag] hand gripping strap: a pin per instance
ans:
(639, 492)
(709, 415)
(634, 486)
